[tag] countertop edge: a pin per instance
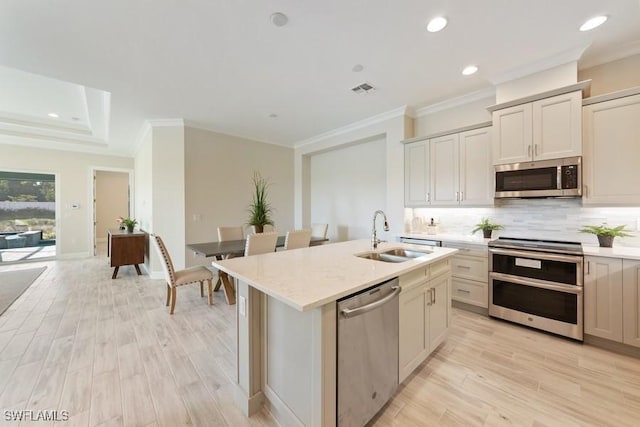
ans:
(407, 266)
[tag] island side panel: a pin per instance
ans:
(249, 396)
(299, 363)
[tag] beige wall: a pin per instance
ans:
(218, 184)
(74, 176)
(454, 118)
(613, 76)
(112, 200)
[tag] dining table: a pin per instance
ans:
(233, 248)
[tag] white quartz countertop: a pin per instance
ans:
(311, 277)
(626, 252)
(474, 239)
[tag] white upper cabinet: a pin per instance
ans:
(450, 170)
(476, 173)
(445, 179)
(548, 128)
(416, 174)
(611, 172)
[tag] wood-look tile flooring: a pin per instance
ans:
(108, 352)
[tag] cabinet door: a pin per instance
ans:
(611, 151)
(557, 126)
(445, 184)
(512, 135)
(631, 302)
(416, 174)
(413, 333)
(439, 310)
(603, 298)
(476, 172)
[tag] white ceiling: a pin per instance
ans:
(221, 64)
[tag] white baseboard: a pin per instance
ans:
(248, 405)
(280, 411)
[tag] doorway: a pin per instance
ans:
(111, 199)
(27, 216)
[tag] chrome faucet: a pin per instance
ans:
(374, 238)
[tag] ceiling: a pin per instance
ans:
(222, 65)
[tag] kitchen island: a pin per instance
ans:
(286, 321)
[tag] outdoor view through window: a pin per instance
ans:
(27, 216)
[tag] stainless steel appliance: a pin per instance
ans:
(367, 352)
(423, 242)
(537, 283)
(545, 178)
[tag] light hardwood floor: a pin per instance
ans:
(109, 353)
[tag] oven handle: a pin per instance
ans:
(537, 255)
(570, 289)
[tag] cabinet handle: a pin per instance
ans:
(529, 150)
(434, 295)
(461, 196)
(457, 196)
(588, 267)
(464, 291)
(428, 197)
(430, 297)
(464, 266)
(535, 149)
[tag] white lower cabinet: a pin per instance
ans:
(612, 299)
(425, 314)
(470, 274)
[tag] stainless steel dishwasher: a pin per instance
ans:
(367, 352)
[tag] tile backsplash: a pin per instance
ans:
(555, 219)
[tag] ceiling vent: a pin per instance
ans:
(363, 88)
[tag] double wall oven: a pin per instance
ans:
(537, 283)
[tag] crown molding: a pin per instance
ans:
(197, 125)
(60, 145)
(561, 58)
(378, 118)
(630, 49)
(455, 102)
(157, 123)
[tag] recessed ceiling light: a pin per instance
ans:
(357, 68)
(436, 24)
(469, 69)
(279, 19)
(273, 115)
(54, 115)
(592, 23)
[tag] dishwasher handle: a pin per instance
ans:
(353, 312)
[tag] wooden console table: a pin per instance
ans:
(124, 248)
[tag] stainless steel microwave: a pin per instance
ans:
(545, 178)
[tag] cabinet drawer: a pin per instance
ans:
(468, 250)
(412, 278)
(470, 292)
(470, 267)
(439, 268)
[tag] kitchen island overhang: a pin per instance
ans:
(286, 322)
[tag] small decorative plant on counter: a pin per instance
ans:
(128, 223)
(259, 209)
(605, 234)
(487, 227)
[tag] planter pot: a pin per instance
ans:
(605, 241)
(259, 228)
(130, 228)
(487, 233)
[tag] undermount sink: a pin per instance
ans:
(394, 255)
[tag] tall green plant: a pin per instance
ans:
(259, 209)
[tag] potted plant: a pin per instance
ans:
(129, 223)
(605, 234)
(487, 227)
(259, 209)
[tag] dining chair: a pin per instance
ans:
(297, 239)
(319, 230)
(181, 277)
(226, 234)
(260, 243)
